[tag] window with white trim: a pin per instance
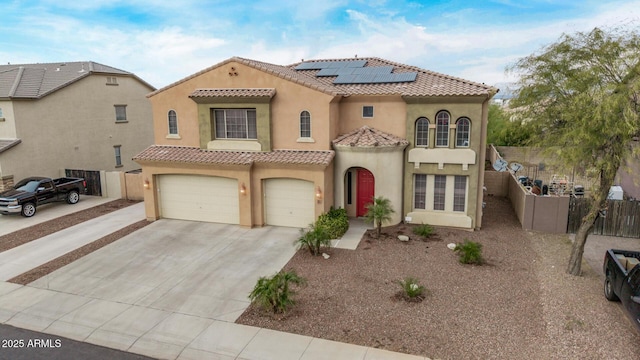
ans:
(439, 191)
(422, 132)
(463, 130)
(367, 111)
(172, 119)
(121, 113)
(442, 129)
(305, 124)
(459, 193)
(420, 191)
(235, 123)
(118, 154)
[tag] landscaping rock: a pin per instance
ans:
(403, 238)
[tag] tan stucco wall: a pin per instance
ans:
(447, 161)
(7, 123)
(285, 107)
(389, 114)
(75, 128)
(251, 203)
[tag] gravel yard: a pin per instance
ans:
(520, 304)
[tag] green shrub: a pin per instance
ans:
(275, 293)
(411, 289)
(314, 238)
(469, 252)
(335, 222)
(424, 230)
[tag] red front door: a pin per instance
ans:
(366, 185)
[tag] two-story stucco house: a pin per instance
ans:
(252, 143)
(70, 116)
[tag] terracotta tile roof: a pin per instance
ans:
(219, 92)
(34, 81)
(6, 144)
(194, 155)
(427, 83)
(369, 137)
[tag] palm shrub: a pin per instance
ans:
(469, 252)
(378, 211)
(275, 293)
(314, 238)
(424, 230)
(411, 289)
(335, 222)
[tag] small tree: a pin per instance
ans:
(315, 237)
(581, 97)
(275, 293)
(378, 211)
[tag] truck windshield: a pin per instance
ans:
(30, 186)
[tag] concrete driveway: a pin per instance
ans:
(193, 268)
(11, 223)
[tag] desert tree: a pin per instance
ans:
(579, 96)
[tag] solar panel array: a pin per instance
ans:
(355, 72)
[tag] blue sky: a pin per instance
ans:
(163, 41)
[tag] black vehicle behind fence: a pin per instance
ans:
(32, 192)
(622, 280)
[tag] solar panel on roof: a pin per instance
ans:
(317, 65)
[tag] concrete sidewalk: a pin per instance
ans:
(164, 334)
(23, 258)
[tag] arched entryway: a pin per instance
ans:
(359, 185)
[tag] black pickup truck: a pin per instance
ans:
(32, 192)
(622, 280)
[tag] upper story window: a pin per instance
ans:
(305, 124)
(442, 129)
(112, 80)
(463, 129)
(367, 111)
(235, 123)
(172, 119)
(121, 113)
(422, 132)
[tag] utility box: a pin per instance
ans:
(615, 193)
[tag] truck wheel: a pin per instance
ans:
(73, 197)
(608, 289)
(28, 210)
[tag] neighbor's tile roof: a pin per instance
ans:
(369, 137)
(34, 81)
(427, 83)
(220, 92)
(6, 144)
(194, 155)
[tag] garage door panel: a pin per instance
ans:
(199, 198)
(289, 202)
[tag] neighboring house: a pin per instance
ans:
(70, 116)
(629, 174)
(252, 143)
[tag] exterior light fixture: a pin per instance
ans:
(319, 193)
(243, 189)
(146, 184)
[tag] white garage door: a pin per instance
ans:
(199, 198)
(289, 202)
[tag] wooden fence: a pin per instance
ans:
(621, 218)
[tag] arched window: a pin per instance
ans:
(422, 132)
(463, 129)
(305, 124)
(173, 122)
(442, 129)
